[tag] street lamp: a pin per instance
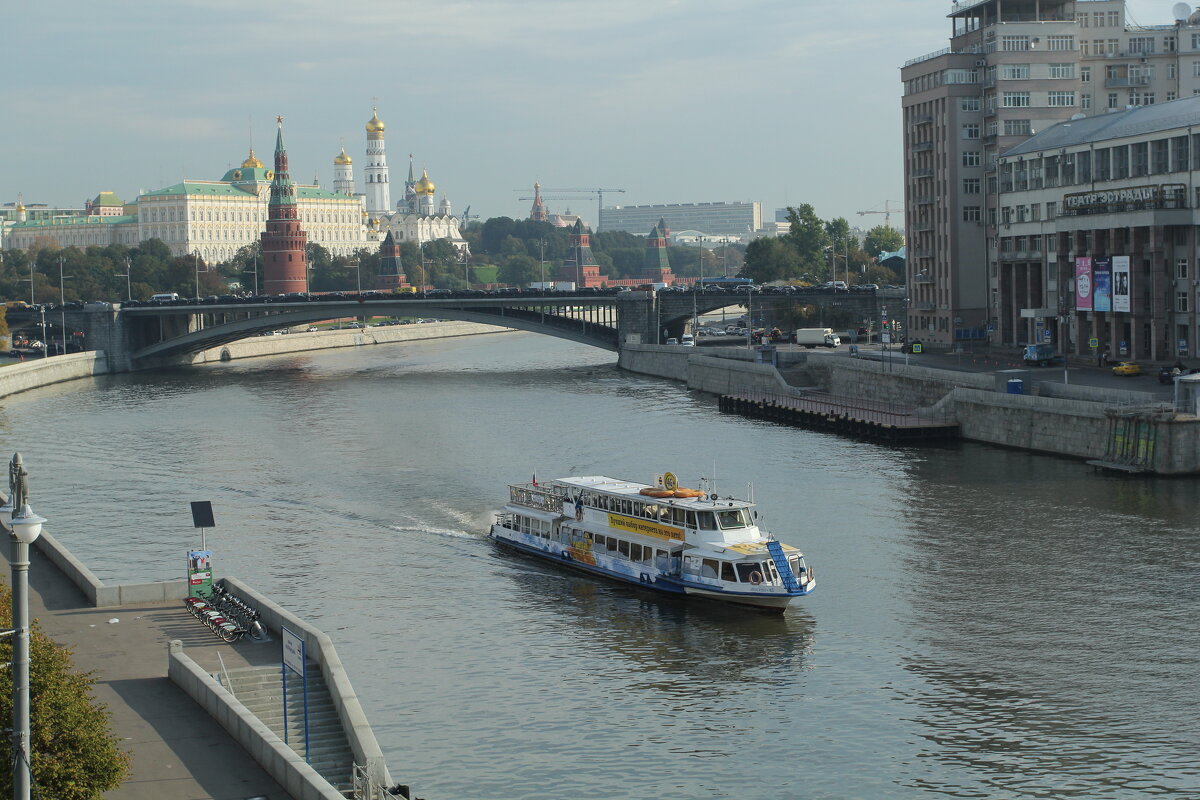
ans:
(62, 303)
(23, 527)
(125, 275)
(253, 272)
(196, 262)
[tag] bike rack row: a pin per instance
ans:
(225, 614)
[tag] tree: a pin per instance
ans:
(73, 753)
(808, 236)
(771, 259)
(519, 270)
(882, 239)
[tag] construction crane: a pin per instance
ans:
(887, 212)
(599, 192)
(467, 216)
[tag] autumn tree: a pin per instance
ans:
(73, 753)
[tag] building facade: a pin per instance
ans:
(1013, 68)
(1098, 240)
(736, 219)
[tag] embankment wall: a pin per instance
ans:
(37, 372)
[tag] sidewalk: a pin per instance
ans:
(179, 752)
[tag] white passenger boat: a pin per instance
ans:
(661, 537)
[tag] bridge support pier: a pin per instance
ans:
(637, 318)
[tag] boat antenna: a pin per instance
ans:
(714, 479)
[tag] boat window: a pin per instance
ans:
(647, 554)
(660, 559)
(706, 520)
(727, 571)
(677, 515)
(691, 565)
(691, 519)
(623, 547)
(612, 545)
(794, 563)
(733, 518)
(709, 569)
(635, 552)
(745, 570)
(769, 569)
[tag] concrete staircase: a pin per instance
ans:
(260, 689)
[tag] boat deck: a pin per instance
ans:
(849, 416)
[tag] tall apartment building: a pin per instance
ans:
(1013, 68)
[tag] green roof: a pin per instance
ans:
(108, 199)
(201, 187)
(247, 174)
(316, 192)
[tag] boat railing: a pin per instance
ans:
(533, 495)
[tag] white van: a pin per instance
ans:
(687, 340)
(164, 297)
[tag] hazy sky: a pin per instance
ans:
(672, 100)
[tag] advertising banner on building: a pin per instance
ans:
(1102, 284)
(1120, 278)
(1083, 283)
(199, 569)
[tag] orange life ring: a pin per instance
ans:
(756, 577)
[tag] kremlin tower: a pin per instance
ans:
(655, 266)
(379, 192)
(391, 275)
(283, 242)
(580, 266)
(424, 189)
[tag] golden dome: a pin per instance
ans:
(424, 186)
(375, 125)
(251, 161)
(20, 206)
(342, 158)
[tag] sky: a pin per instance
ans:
(673, 101)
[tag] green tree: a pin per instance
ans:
(73, 753)
(771, 259)
(807, 235)
(882, 239)
(519, 270)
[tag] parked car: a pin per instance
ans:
(1127, 368)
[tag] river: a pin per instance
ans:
(987, 623)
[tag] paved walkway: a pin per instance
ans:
(179, 751)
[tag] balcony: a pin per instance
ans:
(923, 120)
(1125, 83)
(924, 172)
(922, 277)
(924, 305)
(921, 147)
(924, 200)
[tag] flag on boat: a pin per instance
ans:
(535, 479)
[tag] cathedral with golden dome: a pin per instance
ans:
(418, 217)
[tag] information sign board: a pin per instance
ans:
(199, 572)
(293, 651)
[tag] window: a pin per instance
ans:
(1112, 99)
(971, 214)
(1017, 127)
(1015, 99)
(1181, 268)
(1014, 72)
(1111, 47)
(1014, 43)
(1035, 212)
(1170, 96)
(1085, 74)
(1196, 65)
(1141, 44)
(1196, 41)
(970, 130)
(970, 186)
(1060, 99)
(1081, 19)
(1171, 71)
(1051, 210)
(1097, 19)
(1085, 101)
(1060, 43)
(971, 158)
(1114, 19)
(969, 104)
(1062, 70)
(1181, 301)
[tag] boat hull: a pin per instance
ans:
(669, 585)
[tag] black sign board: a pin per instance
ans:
(202, 516)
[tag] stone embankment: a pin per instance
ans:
(1121, 430)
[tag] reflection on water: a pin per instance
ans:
(988, 623)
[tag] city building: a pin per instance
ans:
(285, 267)
(1098, 234)
(737, 219)
(415, 220)
(1013, 68)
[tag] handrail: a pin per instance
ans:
(225, 674)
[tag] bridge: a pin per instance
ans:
(145, 335)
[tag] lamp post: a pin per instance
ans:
(125, 275)
(62, 302)
(196, 263)
(23, 527)
(253, 272)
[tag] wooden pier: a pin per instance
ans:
(847, 416)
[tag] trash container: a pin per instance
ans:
(1016, 386)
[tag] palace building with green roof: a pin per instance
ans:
(212, 218)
